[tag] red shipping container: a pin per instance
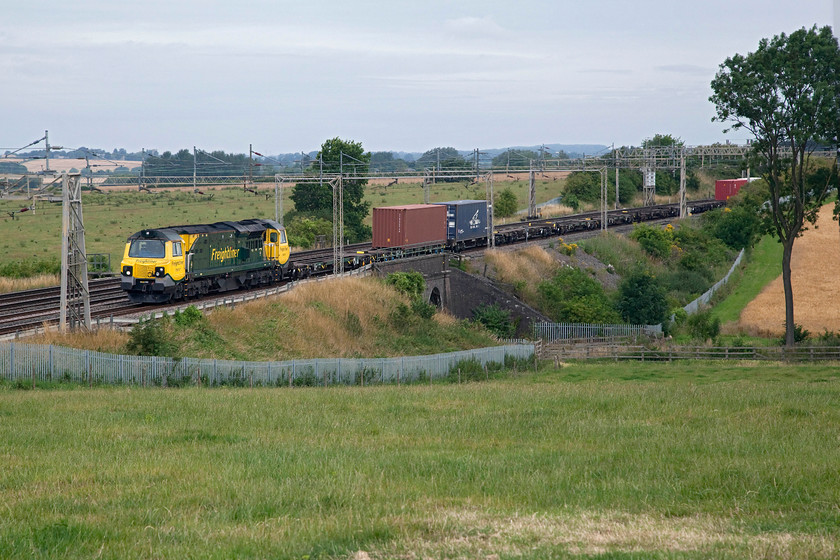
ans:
(726, 188)
(412, 224)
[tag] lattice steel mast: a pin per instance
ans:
(75, 294)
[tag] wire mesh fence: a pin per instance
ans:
(25, 363)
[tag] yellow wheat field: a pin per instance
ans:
(815, 266)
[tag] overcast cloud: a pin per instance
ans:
(394, 75)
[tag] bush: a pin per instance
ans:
(655, 241)
(572, 201)
(189, 317)
(585, 186)
(800, 334)
(688, 282)
(411, 284)
(422, 309)
(680, 316)
(829, 338)
(302, 231)
(572, 296)
(27, 269)
(702, 325)
(151, 338)
(496, 319)
(641, 299)
(467, 370)
(737, 227)
(506, 203)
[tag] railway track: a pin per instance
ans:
(28, 310)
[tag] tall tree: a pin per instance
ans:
(316, 199)
(515, 158)
(505, 204)
(787, 94)
(441, 158)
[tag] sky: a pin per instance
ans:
(394, 75)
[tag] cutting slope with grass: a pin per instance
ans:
(347, 318)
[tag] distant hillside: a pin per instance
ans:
(571, 150)
(294, 159)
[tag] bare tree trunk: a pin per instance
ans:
(786, 280)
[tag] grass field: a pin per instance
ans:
(763, 266)
(596, 460)
(111, 218)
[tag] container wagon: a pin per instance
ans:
(466, 223)
(409, 225)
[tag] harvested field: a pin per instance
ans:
(66, 164)
(498, 177)
(815, 266)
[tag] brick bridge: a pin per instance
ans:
(459, 292)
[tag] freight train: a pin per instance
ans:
(171, 263)
(174, 262)
(177, 262)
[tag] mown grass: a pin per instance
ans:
(597, 460)
(762, 266)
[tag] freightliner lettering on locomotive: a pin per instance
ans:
(174, 262)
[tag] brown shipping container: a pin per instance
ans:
(412, 224)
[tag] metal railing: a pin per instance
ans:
(551, 332)
(25, 363)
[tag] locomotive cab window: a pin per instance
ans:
(147, 249)
(283, 236)
(272, 237)
(176, 250)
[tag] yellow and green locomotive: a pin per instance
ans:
(174, 262)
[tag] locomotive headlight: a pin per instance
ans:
(127, 270)
(159, 271)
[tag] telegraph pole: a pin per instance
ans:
(142, 172)
(532, 192)
(604, 203)
(278, 200)
(615, 162)
(47, 150)
(683, 205)
(491, 238)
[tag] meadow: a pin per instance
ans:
(596, 460)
